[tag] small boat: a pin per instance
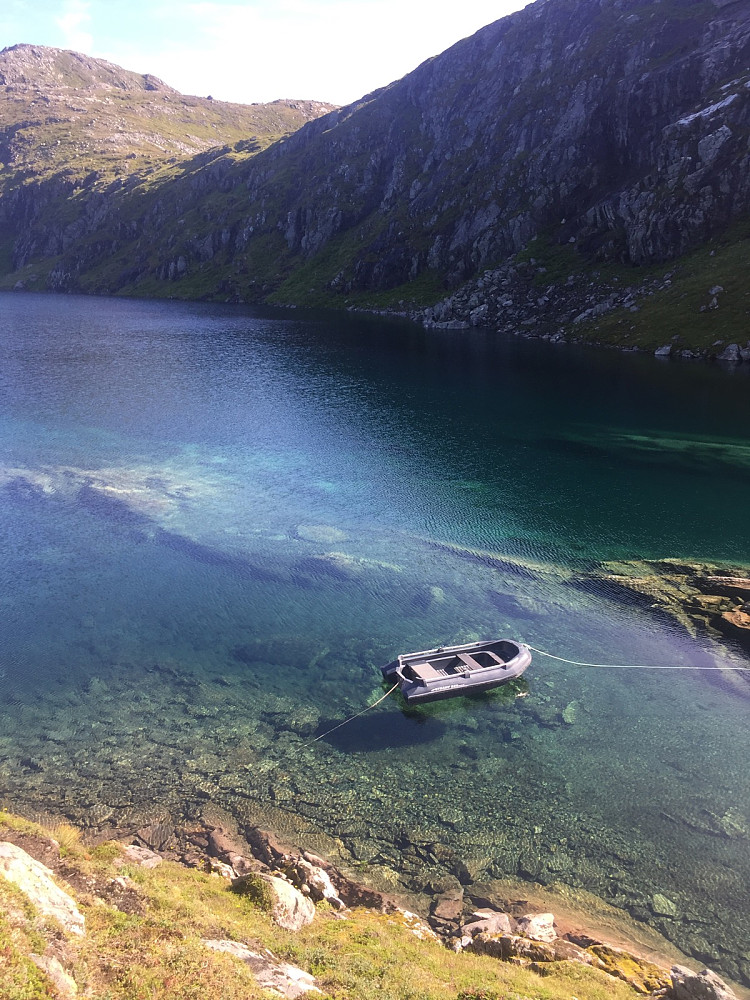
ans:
(450, 671)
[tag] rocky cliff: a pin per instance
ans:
(614, 132)
(76, 131)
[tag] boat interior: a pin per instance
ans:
(457, 663)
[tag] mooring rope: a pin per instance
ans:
(631, 666)
(353, 717)
(552, 656)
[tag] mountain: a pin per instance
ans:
(73, 130)
(564, 163)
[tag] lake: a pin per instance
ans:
(218, 523)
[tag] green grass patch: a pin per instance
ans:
(681, 314)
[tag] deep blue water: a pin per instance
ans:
(218, 522)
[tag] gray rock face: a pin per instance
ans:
(705, 985)
(35, 881)
(621, 136)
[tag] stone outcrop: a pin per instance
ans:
(272, 974)
(700, 596)
(53, 968)
(36, 882)
(288, 907)
(485, 921)
(705, 985)
(523, 938)
(538, 926)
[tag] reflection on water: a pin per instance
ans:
(217, 525)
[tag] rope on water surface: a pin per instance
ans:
(631, 666)
(353, 717)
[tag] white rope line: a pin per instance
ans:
(353, 717)
(631, 666)
(552, 656)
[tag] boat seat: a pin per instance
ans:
(426, 672)
(469, 662)
(473, 664)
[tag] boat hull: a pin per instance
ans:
(453, 671)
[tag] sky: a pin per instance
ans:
(255, 50)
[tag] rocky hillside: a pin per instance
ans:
(607, 134)
(75, 130)
(199, 915)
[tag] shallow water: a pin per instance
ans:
(218, 522)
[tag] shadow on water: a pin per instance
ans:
(120, 513)
(112, 508)
(383, 732)
(210, 556)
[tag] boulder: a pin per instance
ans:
(705, 985)
(318, 882)
(271, 973)
(508, 946)
(142, 856)
(288, 907)
(487, 922)
(35, 881)
(642, 975)
(731, 354)
(448, 906)
(538, 926)
(663, 352)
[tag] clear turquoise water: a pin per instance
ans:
(217, 523)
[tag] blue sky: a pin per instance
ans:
(255, 50)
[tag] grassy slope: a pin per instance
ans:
(116, 132)
(680, 314)
(159, 953)
(669, 315)
(62, 112)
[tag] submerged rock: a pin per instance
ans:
(662, 906)
(322, 533)
(570, 712)
(699, 596)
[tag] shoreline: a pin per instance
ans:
(221, 846)
(586, 931)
